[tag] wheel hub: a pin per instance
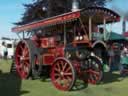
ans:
(62, 73)
(22, 58)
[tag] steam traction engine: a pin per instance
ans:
(60, 46)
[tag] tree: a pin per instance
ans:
(41, 9)
(33, 11)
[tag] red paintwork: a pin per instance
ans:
(91, 75)
(60, 51)
(22, 55)
(48, 58)
(47, 42)
(62, 81)
(53, 20)
(52, 54)
(53, 50)
(44, 42)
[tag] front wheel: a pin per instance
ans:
(94, 70)
(63, 74)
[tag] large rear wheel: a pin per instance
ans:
(23, 59)
(27, 59)
(63, 74)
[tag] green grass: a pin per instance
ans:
(11, 85)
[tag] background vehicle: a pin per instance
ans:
(10, 47)
(63, 47)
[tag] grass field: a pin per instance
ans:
(11, 85)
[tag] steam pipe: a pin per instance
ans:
(75, 5)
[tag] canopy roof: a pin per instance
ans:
(98, 13)
(115, 36)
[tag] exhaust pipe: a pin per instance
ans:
(75, 5)
(124, 26)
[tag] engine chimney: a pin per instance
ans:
(124, 26)
(75, 5)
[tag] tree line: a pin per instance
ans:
(40, 9)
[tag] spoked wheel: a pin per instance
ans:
(23, 59)
(63, 74)
(27, 59)
(94, 70)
